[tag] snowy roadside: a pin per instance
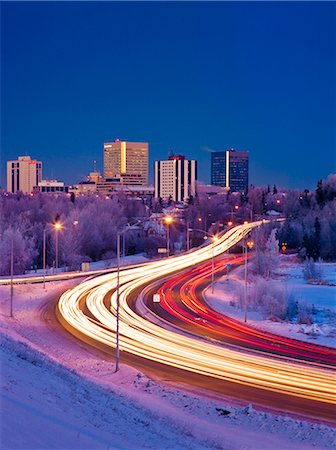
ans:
(321, 297)
(62, 394)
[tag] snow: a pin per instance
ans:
(96, 265)
(323, 297)
(124, 261)
(59, 393)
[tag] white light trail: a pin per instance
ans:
(143, 338)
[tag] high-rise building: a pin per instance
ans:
(128, 160)
(230, 169)
(175, 178)
(23, 175)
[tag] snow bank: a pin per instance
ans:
(54, 407)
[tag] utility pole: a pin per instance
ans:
(56, 250)
(118, 303)
(213, 268)
(12, 273)
(245, 285)
(44, 257)
(188, 237)
(249, 245)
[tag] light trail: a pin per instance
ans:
(181, 301)
(143, 338)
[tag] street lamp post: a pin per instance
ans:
(188, 236)
(249, 244)
(12, 274)
(44, 257)
(119, 234)
(214, 238)
(57, 226)
(118, 302)
(168, 220)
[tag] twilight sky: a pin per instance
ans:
(188, 77)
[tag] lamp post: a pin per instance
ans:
(235, 207)
(118, 302)
(168, 220)
(214, 238)
(249, 244)
(119, 234)
(44, 257)
(12, 274)
(57, 226)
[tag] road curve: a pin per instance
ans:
(182, 304)
(88, 311)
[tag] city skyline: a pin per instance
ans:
(256, 77)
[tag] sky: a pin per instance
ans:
(188, 77)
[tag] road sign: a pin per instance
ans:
(162, 250)
(156, 298)
(229, 266)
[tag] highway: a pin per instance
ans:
(182, 304)
(88, 311)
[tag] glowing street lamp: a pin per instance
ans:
(168, 220)
(230, 223)
(57, 227)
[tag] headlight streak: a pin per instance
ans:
(145, 339)
(187, 308)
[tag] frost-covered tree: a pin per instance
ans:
(23, 251)
(312, 270)
(266, 259)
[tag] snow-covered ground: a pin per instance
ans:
(319, 295)
(59, 393)
(290, 273)
(97, 265)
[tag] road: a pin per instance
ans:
(182, 304)
(88, 311)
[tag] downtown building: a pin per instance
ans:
(126, 161)
(175, 178)
(23, 174)
(230, 169)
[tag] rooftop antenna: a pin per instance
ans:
(95, 166)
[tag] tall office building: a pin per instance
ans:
(175, 178)
(128, 160)
(230, 169)
(23, 175)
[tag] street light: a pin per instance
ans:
(57, 227)
(119, 234)
(235, 207)
(118, 301)
(214, 238)
(168, 220)
(249, 244)
(11, 274)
